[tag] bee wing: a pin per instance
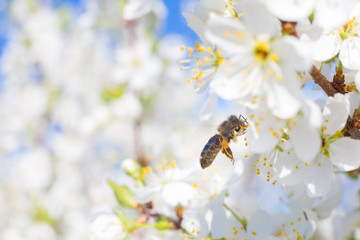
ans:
(210, 150)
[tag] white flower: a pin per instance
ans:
(258, 65)
(266, 130)
(137, 8)
(290, 10)
(343, 40)
(106, 227)
(167, 186)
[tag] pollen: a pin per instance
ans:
(278, 77)
(296, 166)
(194, 185)
(270, 165)
(253, 233)
(274, 57)
(307, 164)
(257, 160)
(254, 165)
(227, 34)
(299, 219)
(239, 34)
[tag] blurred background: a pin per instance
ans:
(82, 89)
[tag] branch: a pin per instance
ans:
(322, 81)
(289, 28)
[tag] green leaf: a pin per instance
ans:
(162, 223)
(311, 16)
(133, 169)
(42, 215)
(109, 94)
(123, 195)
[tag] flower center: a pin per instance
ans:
(263, 52)
(349, 29)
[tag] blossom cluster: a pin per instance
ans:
(100, 135)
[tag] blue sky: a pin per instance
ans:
(175, 22)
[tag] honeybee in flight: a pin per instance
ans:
(228, 130)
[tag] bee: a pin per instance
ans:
(228, 130)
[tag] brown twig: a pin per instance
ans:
(322, 81)
(289, 28)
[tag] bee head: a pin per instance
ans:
(241, 124)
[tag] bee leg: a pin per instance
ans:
(227, 151)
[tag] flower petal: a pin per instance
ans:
(259, 225)
(319, 181)
(137, 8)
(282, 103)
(345, 153)
(306, 140)
(290, 10)
(219, 222)
(209, 107)
(196, 24)
(259, 20)
(335, 113)
(226, 33)
(326, 47)
(350, 53)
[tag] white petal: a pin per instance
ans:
(306, 140)
(209, 107)
(260, 138)
(219, 222)
(196, 24)
(137, 8)
(282, 103)
(350, 53)
(194, 222)
(345, 153)
(290, 10)
(290, 169)
(357, 80)
(175, 193)
(335, 113)
(319, 181)
(326, 47)
(259, 223)
(259, 20)
(312, 113)
(294, 53)
(146, 194)
(354, 100)
(332, 14)
(226, 33)
(331, 201)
